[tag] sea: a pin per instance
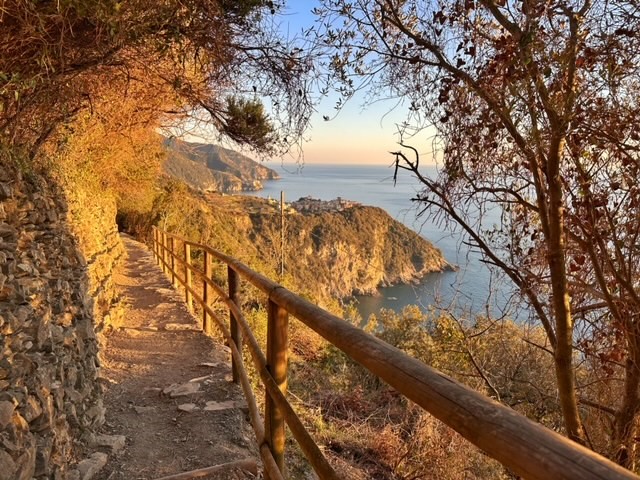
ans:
(470, 290)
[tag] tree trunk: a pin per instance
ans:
(624, 440)
(556, 257)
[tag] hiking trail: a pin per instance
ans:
(168, 386)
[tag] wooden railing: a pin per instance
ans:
(525, 447)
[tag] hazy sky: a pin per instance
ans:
(354, 135)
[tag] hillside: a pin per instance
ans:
(341, 253)
(207, 167)
(333, 254)
(361, 248)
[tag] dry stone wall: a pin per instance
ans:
(50, 396)
(92, 221)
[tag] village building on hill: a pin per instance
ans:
(310, 205)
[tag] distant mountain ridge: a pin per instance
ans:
(208, 167)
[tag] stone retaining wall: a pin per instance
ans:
(92, 220)
(50, 395)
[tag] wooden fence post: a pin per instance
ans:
(187, 276)
(164, 252)
(174, 280)
(206, 292)
(277, 333)
(236, 333)
(157, 246)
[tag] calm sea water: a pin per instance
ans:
(467, 290)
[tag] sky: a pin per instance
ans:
(357, 134)
(354, 135)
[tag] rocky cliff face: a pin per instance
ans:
(353, 251)
(332, 254)
(362, 248)
(209, 167)
(50, 395)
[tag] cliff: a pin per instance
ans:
(207, 167)
(350, 251)
(332, 254)
(363, 248)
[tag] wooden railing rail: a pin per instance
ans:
(272, 446)
(271, 469)
(525, 447)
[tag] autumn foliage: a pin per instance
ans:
(533, 108)
(178, 61)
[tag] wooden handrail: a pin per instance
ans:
(307, 445)
(526, 447)
(277, 364)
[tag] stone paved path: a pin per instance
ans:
(158, 354)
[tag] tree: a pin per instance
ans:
(535, 107)
(175, 58)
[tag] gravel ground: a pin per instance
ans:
(168, 388)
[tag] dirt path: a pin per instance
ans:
(160, 346)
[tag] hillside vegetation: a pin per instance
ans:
(332, 254)
(209, 167)
(352, 251)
